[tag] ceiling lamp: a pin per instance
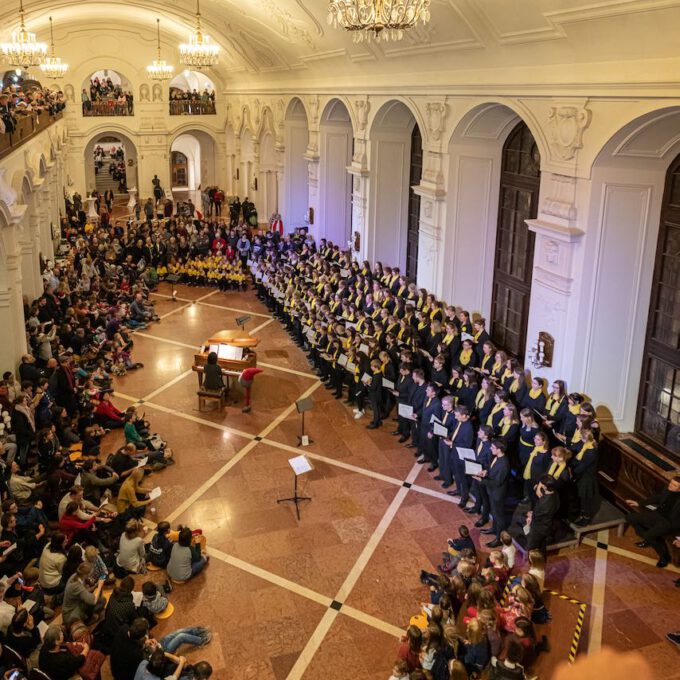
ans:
(158, 69)
(378, 19)
(199, 52)
(24, 50)
(52, 66)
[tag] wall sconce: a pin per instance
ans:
(541, 352)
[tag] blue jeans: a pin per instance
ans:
(196, 567)
(194, 635)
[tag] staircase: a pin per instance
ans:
(104, 181)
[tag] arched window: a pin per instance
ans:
(658, 416)
(514, 253)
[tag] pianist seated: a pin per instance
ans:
(212, 375)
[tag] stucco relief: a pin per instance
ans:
(567, 125)
(363, 106)
(143, 92)
(436, 119)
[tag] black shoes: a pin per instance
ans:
(494, 544)
(481, 522)
(472, 510)
(439, 477)
(421, 461)
(488, 532)
(642, 544)
(372, 426)
(663, 562)
(432, 468)
(401, 439)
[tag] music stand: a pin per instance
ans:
(302, 406)
(241, 321)
(300, 466)
(173, 279)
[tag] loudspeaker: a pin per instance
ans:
(303, 405)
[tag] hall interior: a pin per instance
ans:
(520, 160)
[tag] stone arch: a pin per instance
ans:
(295, 209)
(202, 146)
(390, 133)
(626, 197)
(475, 152)
(131, 153)
(336, 144)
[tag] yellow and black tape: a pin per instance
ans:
(580, 619)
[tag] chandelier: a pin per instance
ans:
(199, 52)
(158, 69)
(52, 66)
(24, 50)
(378, 19)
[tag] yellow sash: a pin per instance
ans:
(556, 469)
(532, 455)
(494, 411)
(465, 357)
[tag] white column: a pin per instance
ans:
(554, 307)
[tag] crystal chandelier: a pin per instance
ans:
(379, 19)
(158, 69)
(24, 50)
(199, 52)
(52, 66)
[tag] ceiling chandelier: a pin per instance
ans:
(158, 69)
(52, 66)
(378, 19)
(24, 50)
(199, 52)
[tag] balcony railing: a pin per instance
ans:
(107, 107)
(192, 107)
(28, 125)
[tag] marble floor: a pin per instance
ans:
(328, 596)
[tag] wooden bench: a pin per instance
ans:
(204, 395)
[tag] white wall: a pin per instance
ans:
(296, 200)
(191, 148)
(388, 197)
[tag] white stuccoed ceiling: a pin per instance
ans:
(287, 43)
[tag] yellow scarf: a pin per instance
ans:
(433, 313)
(479, 399)
(515, 385)
(485, 360)
(475, 337)
(574, 410)
(428, 402)
(455, 432)
(535, 393)
(421, 325)
(556, 469)
(553, 404)
(532, 455)
(586, 447)
(447, 339)
(576, 437)
(401, 290)
(506, 424)
(494, 411)
(496, 367)
(445, 416)
(465, 356)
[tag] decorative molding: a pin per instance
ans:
(567, 124)
(363, 106)
(436, 119)
(560, 203)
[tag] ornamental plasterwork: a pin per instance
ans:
(567, 125)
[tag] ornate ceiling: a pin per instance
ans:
(287, 43)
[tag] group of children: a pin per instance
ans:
(480, 618)
(209, 270)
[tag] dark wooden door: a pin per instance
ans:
(658, 416)
(514, 253)
(414, 204)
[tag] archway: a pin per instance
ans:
(199, 150)
(393, 171)
(633, 275)
(268, 188)
(335, 183)
(109, 94)
(110, 163)
(474, 209)
(296, 176)
(191, 93)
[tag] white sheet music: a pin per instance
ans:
(155, 493)
(300, 464)
(406, 411)
(388, 384)
(440, 430)
(466, 454)
(472, 468)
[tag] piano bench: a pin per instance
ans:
(203, 395)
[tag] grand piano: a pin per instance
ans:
(235, 351)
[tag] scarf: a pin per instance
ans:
(556, 469)
(534, 394)
(506, 424)
(553, 404)
(527, 468)
(479, 399)
(465, 356)
(22, 408)
(588, 446)
(494, 411)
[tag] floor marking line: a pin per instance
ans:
(175, 310)
(597, 597)
(313, 644)
(234, 309)
(312, 376)
(170, 342)
(261, 326)
(622, 552)
(269, 576)
(280, 418)
(169, 297)
(170, 383)
(373, 621)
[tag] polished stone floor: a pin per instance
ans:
(328, 596)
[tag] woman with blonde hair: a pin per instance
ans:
(131, 554)
(127, 503)
(477, 650)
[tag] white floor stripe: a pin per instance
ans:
(177, 343)
(234, 309)
(170, 383)
(369, 620)
(175, 310)
(597, 598)
(313, 376)
(622, 552)
(169, 297)
(260, 327)
(305, 658)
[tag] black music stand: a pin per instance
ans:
(300, 466)
(173, 279)
(302, 406)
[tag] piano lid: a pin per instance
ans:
(238, 338)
